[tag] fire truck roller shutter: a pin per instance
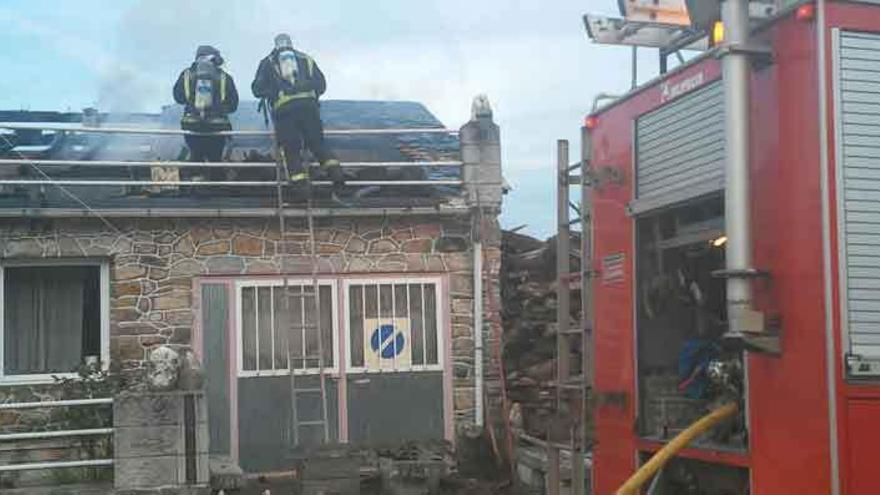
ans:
(858, 126)
(679, 149)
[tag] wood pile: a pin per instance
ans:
(528, 290)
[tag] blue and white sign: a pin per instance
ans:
(388, 343)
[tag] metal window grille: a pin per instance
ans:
(266, 321)
(393, 326)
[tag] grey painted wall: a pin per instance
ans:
(388, 408)
(264, 419)
(215, 322)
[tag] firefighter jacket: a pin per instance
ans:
(224, 100)
(269, 83)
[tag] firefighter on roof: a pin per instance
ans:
(291, 82)
(208, 94)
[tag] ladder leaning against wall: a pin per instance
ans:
(302, 296)
(573, 379)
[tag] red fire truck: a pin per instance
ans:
(735, 256)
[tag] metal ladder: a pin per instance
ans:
(300, 328)
(572, 389)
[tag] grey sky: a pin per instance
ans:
(531, 57)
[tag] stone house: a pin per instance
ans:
(97, 271)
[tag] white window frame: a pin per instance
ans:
(279, 282)
(441, 324)
(104, 291)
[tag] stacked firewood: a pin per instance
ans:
(529, 318)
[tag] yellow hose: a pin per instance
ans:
(658, 460)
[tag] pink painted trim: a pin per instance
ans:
(342, 383)
(232, 338)
(446, 325)
(326, 276)
(197, 337)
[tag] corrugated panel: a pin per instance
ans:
(680, 148)
(858, 121)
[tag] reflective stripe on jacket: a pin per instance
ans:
(284, 97)
(190, 92)
(214, 118)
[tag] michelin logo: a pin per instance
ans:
(670, 91)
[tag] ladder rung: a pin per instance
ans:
(310, 423)
(571, 386)
(307, 391)
(574, 331)
(574, 381)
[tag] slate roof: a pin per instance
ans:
(336, 114)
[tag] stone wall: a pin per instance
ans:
(154, 263)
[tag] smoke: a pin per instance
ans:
(156, 39)
(531, 58)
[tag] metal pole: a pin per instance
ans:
(587, 258)
(586, 249)
(231, 212)
(145, 183)
(563, 245)
(263, 165)
(736, 74)
(563, 269)
(478, 325)
(61, 127)
(55, 403)
(554, 476)
(635, 67)
(41, 435)
(31, 466)
(830, 351)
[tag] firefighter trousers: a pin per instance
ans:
(298, 123)
(206, 149)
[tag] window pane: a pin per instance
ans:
(297, 306)
(310, 329)
(249, 328)
(327, 324)
(356, 324)
(264, 327)
(282, 327)
(371, 301)
(416, 321)
(386, 306)
(401, 307)
(430, 324)
(385, 303)
(52, 318)
(91, 344)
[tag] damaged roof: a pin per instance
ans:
(336, 114)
